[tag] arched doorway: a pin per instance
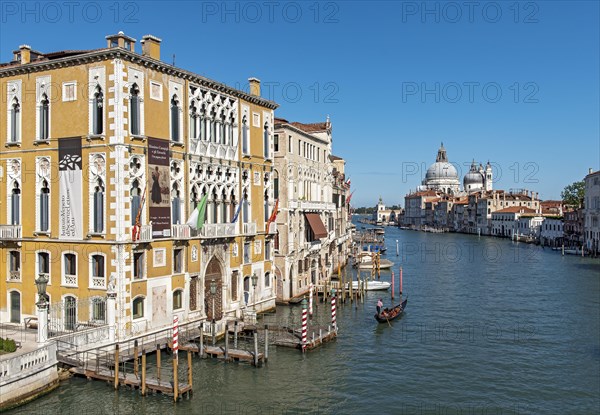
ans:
(15, 307)
(213, 272)
(246, 289)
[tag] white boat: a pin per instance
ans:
(373, 285)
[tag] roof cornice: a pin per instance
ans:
(300, 131)
(120, 53)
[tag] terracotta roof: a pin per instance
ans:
(551, 203)
(515, 209)
(50, 56)
(310, 128)
(281, 121)
(334, 158)
(423, 193)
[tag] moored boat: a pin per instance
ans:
(372, 285)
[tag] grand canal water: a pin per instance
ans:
(491, 327)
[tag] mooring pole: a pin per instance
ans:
(189, 356)
(226, 341)
(143, 373)
(158, 362)
(116, 364)
(135, 358)
(235, 334)
(255, 348)
(214, 332)
(266, 342)
(175, 380)
(201, 349)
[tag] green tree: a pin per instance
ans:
(573, 194)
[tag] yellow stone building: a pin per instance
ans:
(96, 141)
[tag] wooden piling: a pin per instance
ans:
(143, 373)
(158, 362)
(235, 334)
(175, 380)
(201, 349)
(226, 342)
(189, 357)
(116, 366)
(214, 332)
(255, 348)
(266, 343)
(135, 358)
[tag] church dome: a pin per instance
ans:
(473, 176)
(441, 170)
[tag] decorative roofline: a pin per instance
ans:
(120, 53)
(299, 130)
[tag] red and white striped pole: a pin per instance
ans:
(393, 285)
(304, 324)
(175, 336)
(310, 300)
(333, 322)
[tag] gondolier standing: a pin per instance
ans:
(379, 306)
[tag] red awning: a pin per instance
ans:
(316, 224)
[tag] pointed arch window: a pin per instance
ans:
(230, 130)
(267, 141)
(44, 213)
(193, 198)
(203, 123)
(245, 138)
(136, 199)
(99, 207)
(175, 204)
(15, 121)
(213, 126)
(44, 132)
(222, 136)
(175, 127)
(15, 205)
(193, 121)
(275, 184)
(98, 111)
(245, 208)
(134, 109)
(224, 208)
(266, 206)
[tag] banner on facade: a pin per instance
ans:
(159, 187)
(70, 183)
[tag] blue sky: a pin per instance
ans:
(513, 83)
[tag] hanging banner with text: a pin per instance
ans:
(159, 195)
(70, 178)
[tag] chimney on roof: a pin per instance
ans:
(25, 55)
(121, 40)
(590, 170)
(254, 86)
(151, 46)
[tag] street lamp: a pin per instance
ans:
(213, 292)
(42, 308)
(254, 283)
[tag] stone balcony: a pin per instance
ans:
(272, 229)
(313, 246)
(249, 228)
(10, 231)
(218, 230)
(311, 205)
(221, 151)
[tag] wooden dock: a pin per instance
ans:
(133, 381)
(316, 337)
(219, 352)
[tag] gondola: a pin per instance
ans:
(391, 314)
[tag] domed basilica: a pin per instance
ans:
(442, 176)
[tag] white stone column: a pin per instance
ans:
(111, 308)
(42, 315)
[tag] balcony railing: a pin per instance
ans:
(14, 276)
(313, 246)
(180, 231)
(249, 228)
(221, 151)
(218, 230)
(10, 231)
(70, 280)
(311, 205)
(272, 229)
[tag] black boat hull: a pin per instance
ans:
(393, 314)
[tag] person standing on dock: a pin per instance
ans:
(379, 306)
